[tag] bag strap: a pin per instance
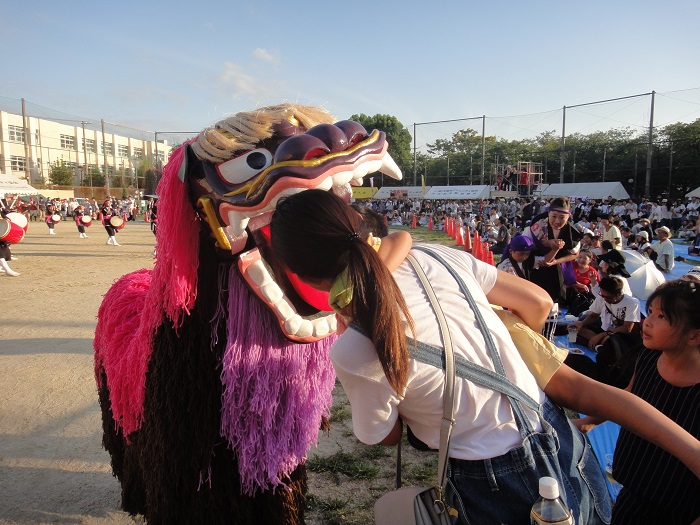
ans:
(448, 390)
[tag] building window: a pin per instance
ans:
(16, 133)
(107, 148)
(123, 151)
(90, 145)
(138, 153)
(17, 163)
(67, 142)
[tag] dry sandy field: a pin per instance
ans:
(53, 468)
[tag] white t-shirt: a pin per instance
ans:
(484, 426)
(612, 315)
(664, 247)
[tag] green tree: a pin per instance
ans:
(61, 174)
(399, 140)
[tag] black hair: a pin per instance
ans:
(680, 302)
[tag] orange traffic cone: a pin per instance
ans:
(467, 240)
(485, 251)
(430, 223)
(476, 247)
(460, 237)
(414, 222)
(489, 258)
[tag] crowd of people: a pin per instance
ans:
(112, 213)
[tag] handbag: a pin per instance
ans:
(425, 505)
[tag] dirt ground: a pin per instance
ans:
(53, 468)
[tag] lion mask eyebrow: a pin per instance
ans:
(243, 131)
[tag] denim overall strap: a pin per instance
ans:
(477, 374)
(524, 425)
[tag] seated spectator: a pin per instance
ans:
(502, 236)
(694, 248)
(643, 245)
(664, 250)
(687, 231)
(587, 277)
(616, 311)
(515, 255)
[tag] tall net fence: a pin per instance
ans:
(596, 141)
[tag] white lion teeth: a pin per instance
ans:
(390, 168)
(272, 292)
(341, 179)
(259, 274)
(294, 324)
(326, 184)
(237, 223)
(291, 325)
(285, 310)
(306, 329)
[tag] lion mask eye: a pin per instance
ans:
(245, 167)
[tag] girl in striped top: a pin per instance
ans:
(657, 488)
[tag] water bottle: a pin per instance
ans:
(550, 509)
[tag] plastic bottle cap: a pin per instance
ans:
(549, 488)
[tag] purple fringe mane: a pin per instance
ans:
(275, 392)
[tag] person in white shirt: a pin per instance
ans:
(617, 312)
(664, 250)
(611, 232)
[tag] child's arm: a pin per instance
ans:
(394, 248)
(580, 393)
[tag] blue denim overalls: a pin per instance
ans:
(501, 490)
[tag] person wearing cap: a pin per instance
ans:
(664, 250)
(557, 243)
(645, 225)
(516, 255)
(612, 263)
(693, 275)
(643, 245)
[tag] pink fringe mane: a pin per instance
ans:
(172, 290)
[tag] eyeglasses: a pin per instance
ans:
(609, 297)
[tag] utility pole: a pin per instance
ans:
(650, 145)
(563, 146)
(85, 162)
(104, 156)
(670, 171)
(483, 147)
(27, 138)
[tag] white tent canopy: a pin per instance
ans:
(590, 190)
(14, 186)
(694, 193)
(411, 192)
(458, 192)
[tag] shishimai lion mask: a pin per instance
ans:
(239, 168)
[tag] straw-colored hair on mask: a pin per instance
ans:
(244, 130)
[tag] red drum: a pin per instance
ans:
(86, 220)
(116, 221)
(19, 219)
(56, 218)
(5, 225)
(10, 232)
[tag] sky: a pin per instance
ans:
(177, 66)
